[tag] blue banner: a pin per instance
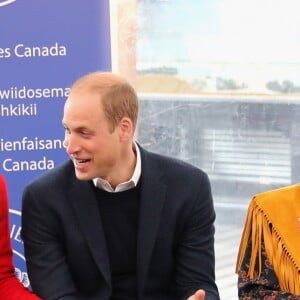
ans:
(44, 47)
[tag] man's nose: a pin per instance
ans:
(71, 144)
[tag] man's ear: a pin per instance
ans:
(125, 129)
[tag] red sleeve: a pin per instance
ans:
(10, 287)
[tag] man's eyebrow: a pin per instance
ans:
(82, 128)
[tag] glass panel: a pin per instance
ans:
(246, 146)
(219, 87)
(228, 46)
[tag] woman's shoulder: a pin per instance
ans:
(3, 187)
(2, 180)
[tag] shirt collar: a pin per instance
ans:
(132, 182)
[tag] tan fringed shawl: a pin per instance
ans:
(281, 209)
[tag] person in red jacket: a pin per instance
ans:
(10, 287)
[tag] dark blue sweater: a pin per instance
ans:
(119, 214)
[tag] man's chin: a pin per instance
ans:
(83, 176)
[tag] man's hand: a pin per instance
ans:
(199, 295)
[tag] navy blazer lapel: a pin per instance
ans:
(151, 203)
(83, 200)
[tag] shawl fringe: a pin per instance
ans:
(261, 228)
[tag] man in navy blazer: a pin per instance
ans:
(116, 221)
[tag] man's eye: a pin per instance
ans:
(85, 133)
